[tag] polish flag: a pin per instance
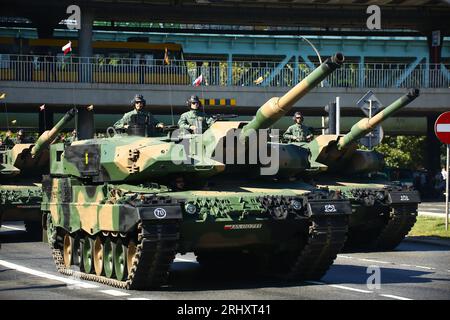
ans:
(67, 48)
(42, 107)
(198, 81)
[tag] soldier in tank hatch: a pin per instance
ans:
(195, 120)
(138, 104)
(298, 132)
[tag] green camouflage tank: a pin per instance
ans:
(119, 209)
(21, 170)
(382, 212)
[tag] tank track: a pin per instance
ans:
(401, 220)
(155, 252)
(327, 236)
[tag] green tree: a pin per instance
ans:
(403, 151)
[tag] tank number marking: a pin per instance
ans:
(160, 213)
(242, 226)
(330, 208)
(404, 197)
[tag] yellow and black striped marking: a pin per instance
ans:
(218, 102)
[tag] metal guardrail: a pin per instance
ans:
(217, 73)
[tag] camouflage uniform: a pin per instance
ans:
(297, 133)
(191, 117)
(151, 121)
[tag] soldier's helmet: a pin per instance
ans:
(193, 98)
(20, 132)
(298, 114)
(137, 98)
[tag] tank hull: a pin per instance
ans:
(382, 212)
(261, 222)
(22, 202)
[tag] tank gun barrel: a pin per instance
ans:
(277, 107)
(48, 136)
(364, 126)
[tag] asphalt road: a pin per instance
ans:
(412, 271)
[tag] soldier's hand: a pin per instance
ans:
(193, 128)
(309, 137)
(160, 125)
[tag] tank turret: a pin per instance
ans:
(137, 158)
(339, 152)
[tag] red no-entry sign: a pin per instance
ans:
(442, 127)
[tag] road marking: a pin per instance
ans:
(394, 297)
(12, 228)
(348, 288)
(184, 260)
(427, 268)
(46, 275)
(375, 261)
(138, 299)
(344, 256)
(115, 293)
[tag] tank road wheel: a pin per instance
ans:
(108, 262)
(98, 256)
(87, 254)
(67, 250)
(131, 253)
(120, 260)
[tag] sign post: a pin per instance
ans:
(370, 105)
(442, 131)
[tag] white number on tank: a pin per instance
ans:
(330, 208)
(404, 197)
(160, 213)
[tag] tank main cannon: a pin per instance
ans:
(366, 125)
(277, 107)
(46, 138)
(339, 152)
(32, 156)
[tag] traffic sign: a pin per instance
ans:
(369, 104)
(442, 127)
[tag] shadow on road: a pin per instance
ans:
(17, 236)
(345, 274)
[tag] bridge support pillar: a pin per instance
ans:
(85, 44)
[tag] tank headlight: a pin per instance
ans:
(297, 205)
(190, 208)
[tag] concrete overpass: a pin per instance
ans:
(114, 98)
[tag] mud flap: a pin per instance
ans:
(319, 208)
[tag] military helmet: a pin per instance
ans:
(193, 98)
(298, 114)
(20, 132)
(138, 97)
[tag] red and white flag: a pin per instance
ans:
(41, 108)
(67, 48)
(198, 81)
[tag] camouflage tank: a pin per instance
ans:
(383, 212)
(121, 208)
(21, 170)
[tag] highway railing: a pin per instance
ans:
(217, 73)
